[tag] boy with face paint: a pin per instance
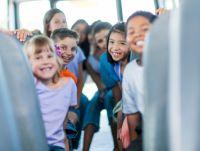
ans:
(66, 48)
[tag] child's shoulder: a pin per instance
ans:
(131, 69)
(67, 73)
(67, 81)
(130, 66)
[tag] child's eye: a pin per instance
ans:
(74, 49)
(99, 41)
(57, 21)
(145, 29)
(38, 57)
(63, 48)
(64, 21)
(123, 43)
(111, 41)
(131, 32)
(50, 56)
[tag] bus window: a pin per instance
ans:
(177, 3)
(31, 14)
(168, 4)
(4, 14)
(131, 6)
(90, 10)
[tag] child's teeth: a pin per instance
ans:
(140, 43)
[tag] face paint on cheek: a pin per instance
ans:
(58, 51)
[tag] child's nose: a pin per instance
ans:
(67, 53)
(115, 46)
(63, 25)
(46, 61)
(137, 33)
(104, 42)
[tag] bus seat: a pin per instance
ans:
(21, 127)
(156, 57)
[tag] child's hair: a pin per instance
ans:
(47, 19)
(117, 28)
(91, 27)
(101, 26)
(148, 15)
(80, 21)
(62, 33)
(83, 42)
(33, 47)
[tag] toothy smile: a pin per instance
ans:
(48, 68)
(116, 54)
(140, 43)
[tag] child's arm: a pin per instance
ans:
(66, 144)
(7, 32)
(133, 120)
(95, 77)
(117, 92)
(80, 83)
(73, 111)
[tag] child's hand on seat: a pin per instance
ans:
(161, 11)
(22, 34)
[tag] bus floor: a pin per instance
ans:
(102, 140)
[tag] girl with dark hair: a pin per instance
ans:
(102, 99)
(82, 27)
(112, 64)
(137, 27)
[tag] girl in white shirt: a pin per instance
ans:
(137, 26)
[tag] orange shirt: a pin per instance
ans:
(67, 73)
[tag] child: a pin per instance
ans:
(66, 40)
(118, 52)
(113, 62)
(55, 94)
(81, 27)
(66, 47)
(102, 98)
(137, 25)
(53, 19)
